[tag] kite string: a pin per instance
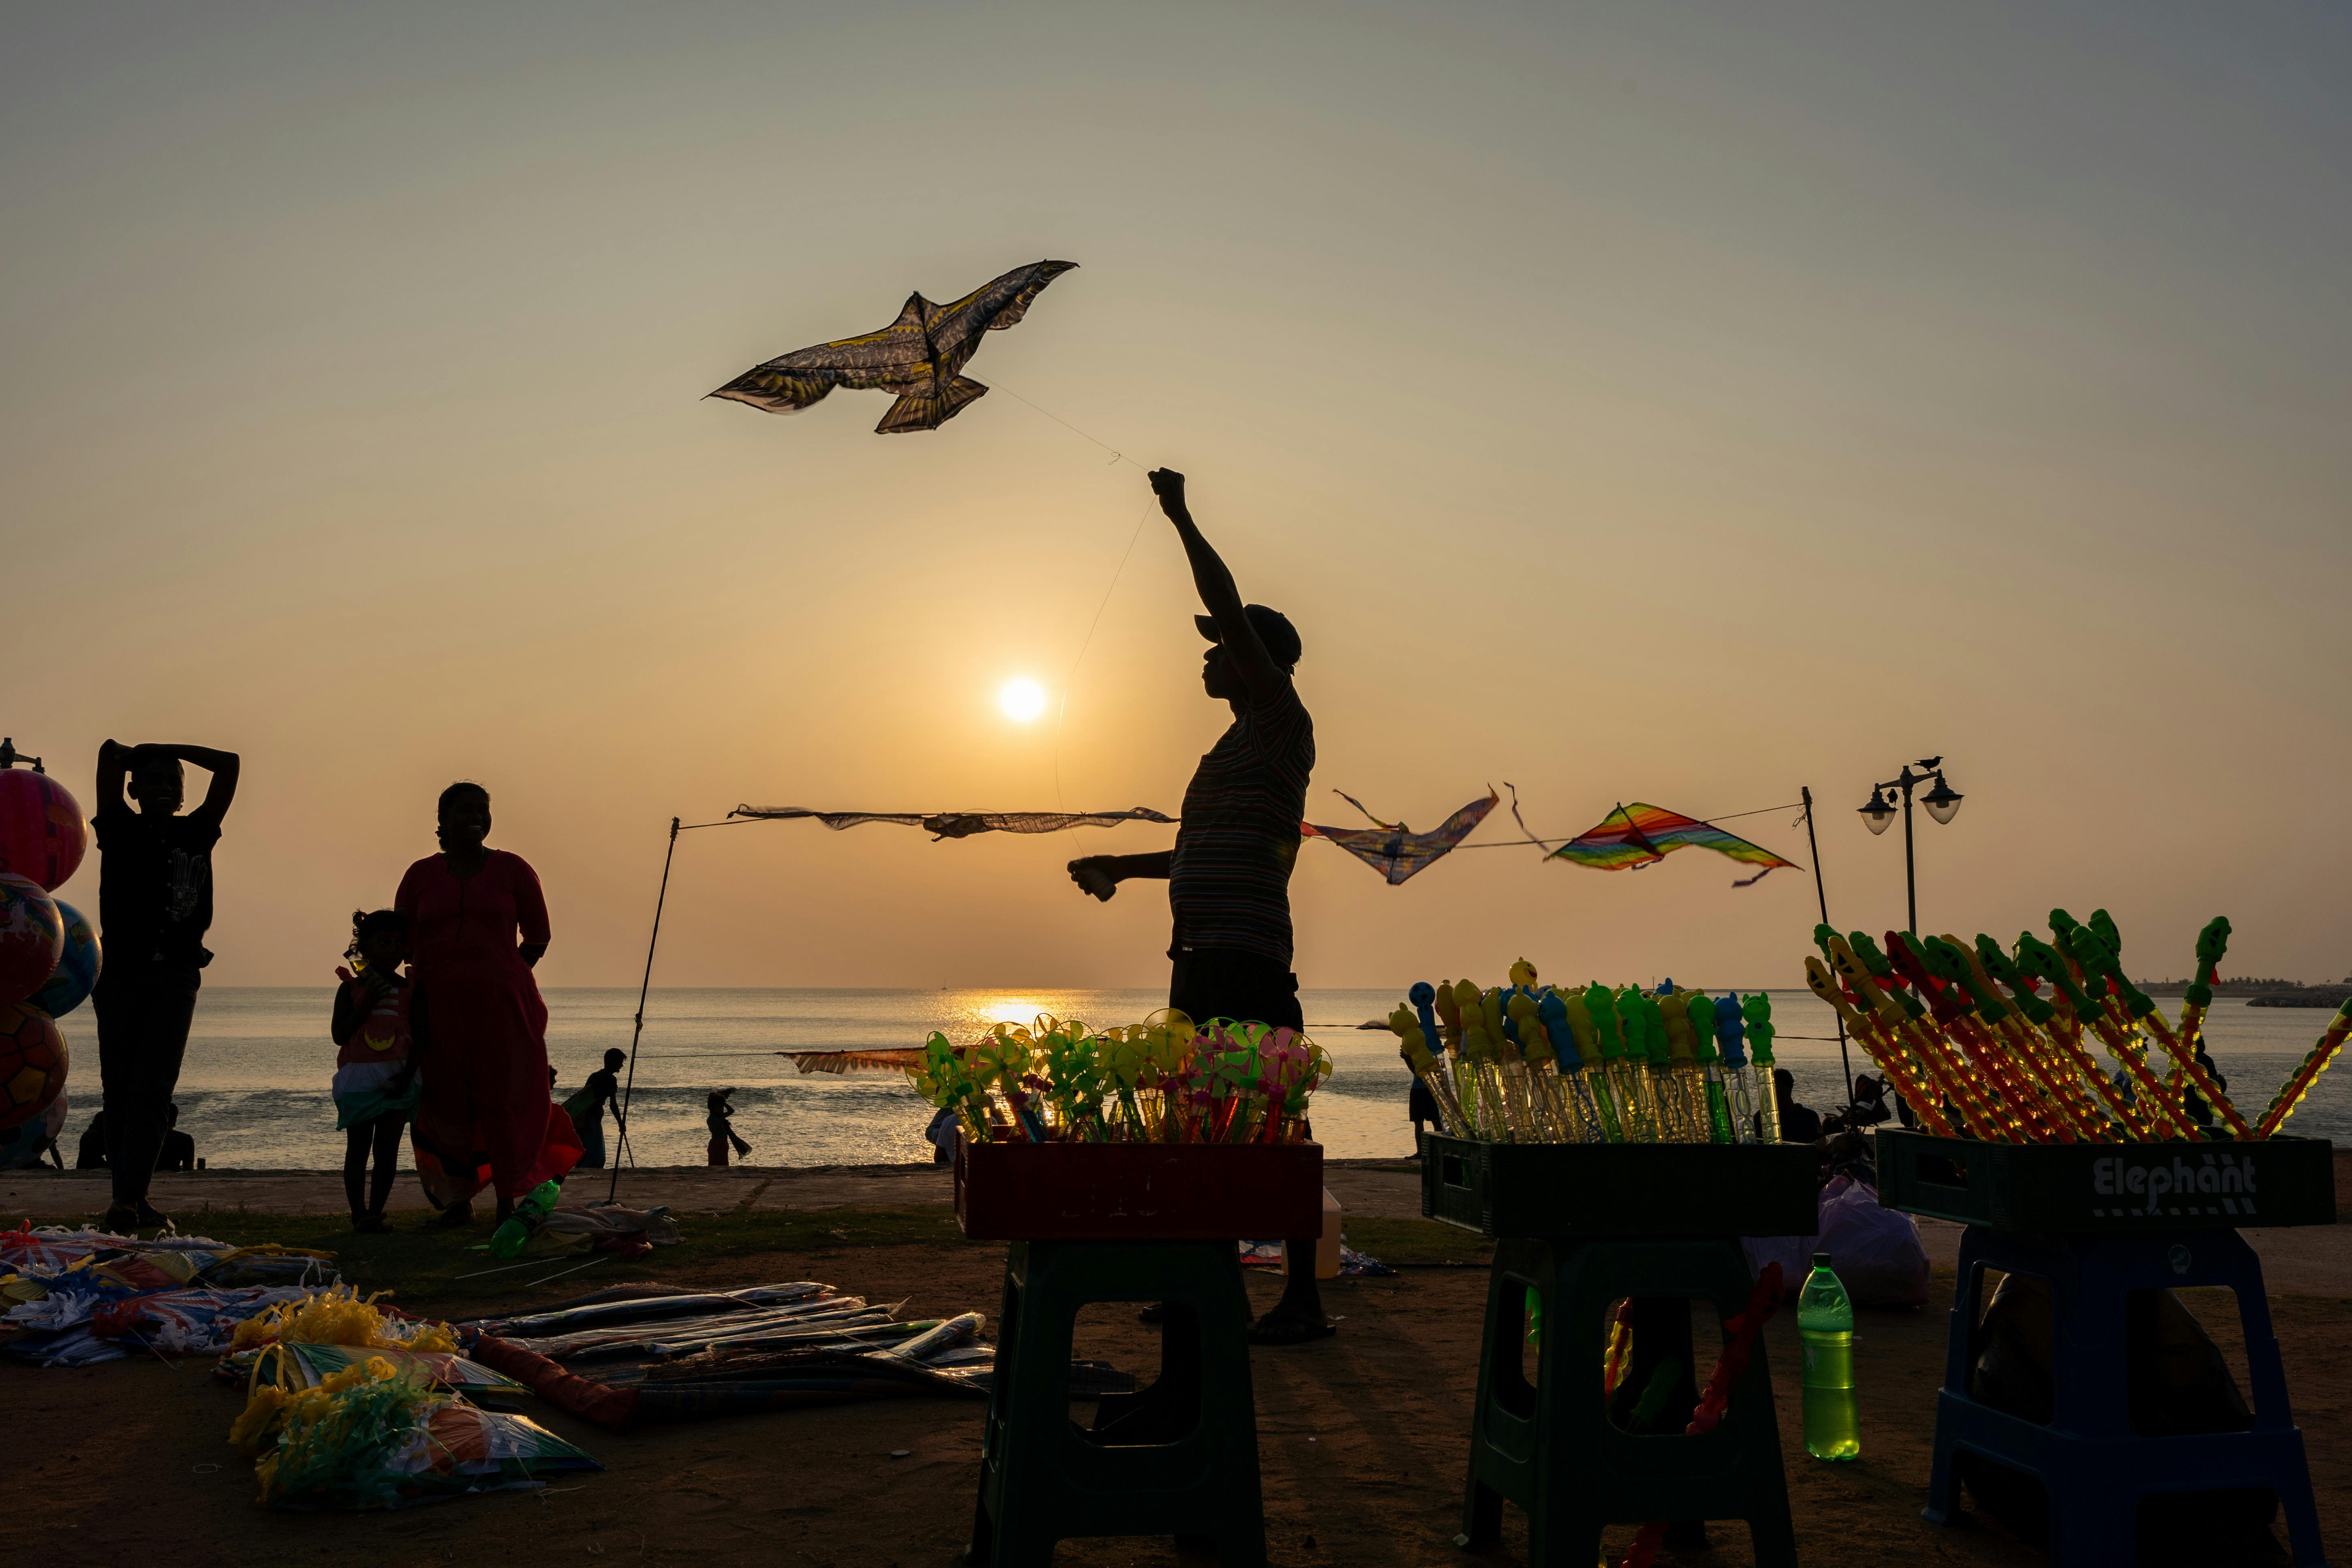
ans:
(1115, 455)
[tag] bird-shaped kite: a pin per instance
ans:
(918, 356)
(1394, 851)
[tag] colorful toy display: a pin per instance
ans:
(1164, 1081)
(43, 834)
(1523, 1064)
(1966, 1037)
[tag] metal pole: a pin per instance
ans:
(1814, 844)
(621, 1150)
(1910, 874)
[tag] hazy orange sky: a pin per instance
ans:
(1679, 403)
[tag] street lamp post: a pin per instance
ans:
(1943, 803)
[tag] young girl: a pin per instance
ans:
(722, 1129)
(375, 1067)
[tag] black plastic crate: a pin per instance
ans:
(2087, 1188)
(1620, 1189)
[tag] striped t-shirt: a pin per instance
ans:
(1229, 880)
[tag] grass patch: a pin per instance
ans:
(1417, 1241)
(425, 1269)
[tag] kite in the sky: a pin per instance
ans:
(958, 824)
(918, 356)
(1394, 851)
(1635, 835)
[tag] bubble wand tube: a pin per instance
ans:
(2055, 1084)
(2292, 1092)
(1580, 1113)
(2212, 943)
(1619, 1062)
(1987, 1115)
(1415, 1037)
(1731, 1038)
(2066, 1042)
(1757, 1011)
(1701, 1008)
(2011, 1078)
(1584, 1048)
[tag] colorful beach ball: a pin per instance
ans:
(42, 830)
(23, 1145)
(32, 1063)
(69, 985)
(32, 936)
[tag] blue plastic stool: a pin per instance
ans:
(2093, 1466)
(1179, 1458)
(1551, 1448)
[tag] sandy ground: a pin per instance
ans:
(1391, 1188)
(1362, 1437)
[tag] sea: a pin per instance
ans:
(254, 1089)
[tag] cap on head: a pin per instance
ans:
(1273, 627)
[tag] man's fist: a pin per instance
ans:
(1092, 876)
(1169, 486)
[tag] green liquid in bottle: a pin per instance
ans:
(1825, 1325)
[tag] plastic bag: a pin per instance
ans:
(1875, 1251)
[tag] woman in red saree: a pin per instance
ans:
(478, 922)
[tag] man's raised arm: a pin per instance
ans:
(1219, 595)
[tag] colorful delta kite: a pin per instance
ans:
(957, 824)
(1635, 835)
(918, 356)
(1394, 851)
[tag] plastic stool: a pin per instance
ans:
(1550, 1447)
(2093, 1466)
(1178, 1458)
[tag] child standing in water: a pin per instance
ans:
(378, 1015)
(722, 1130)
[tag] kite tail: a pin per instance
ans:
(1751, 881)
(929, 411)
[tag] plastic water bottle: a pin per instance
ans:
(1825, 1324)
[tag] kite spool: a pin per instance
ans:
(32, 1063)
(42, 832)
(70, 985)
(31, 937)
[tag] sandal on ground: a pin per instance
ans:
(456, 1215)
(372, 1222)
(150, 1216)
(121, 1219)
(1279, 1327)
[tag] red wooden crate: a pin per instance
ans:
(1138, 1191)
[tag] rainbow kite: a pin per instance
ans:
(1635, 835)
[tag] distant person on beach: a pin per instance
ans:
(1798, 1123)
(156, 905)
(1228, 875)
(178, 1152)
(1420, 1106)
(586, 1108)
(722, 1127)
(477, 925)
(379, 1016)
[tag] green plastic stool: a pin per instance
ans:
(1550, 1447)
(1178, 1458)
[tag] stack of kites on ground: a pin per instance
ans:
(80, 1297)
(1966, 1037)
(48, 955)
(1519, 1064)
(1164, 1081)
(647, 1356)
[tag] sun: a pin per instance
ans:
(1022, 700)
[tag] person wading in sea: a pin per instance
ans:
(1228, 875)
